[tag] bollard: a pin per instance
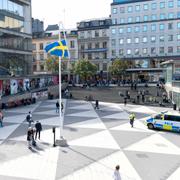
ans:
(54, 132)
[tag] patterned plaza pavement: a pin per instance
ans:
(98, 140)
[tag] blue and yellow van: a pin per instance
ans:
(166, 121)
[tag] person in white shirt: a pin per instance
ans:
(116, 174)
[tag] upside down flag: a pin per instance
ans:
(58, 49)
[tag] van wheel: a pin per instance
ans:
(150, 126)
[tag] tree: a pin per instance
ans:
(52, 64)
(85, 69)
(118, 68)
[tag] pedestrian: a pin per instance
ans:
(57, 107)
(30, 137)
(125, 101)
(1, 118)
(29, 118)
(131, 119)
(97, 104)
(116, 174)
(62, 107)
(38, 127)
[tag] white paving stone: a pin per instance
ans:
(143, 109)
(101, 139)
(15, 119)
(155, 144)
(82, 107)
(84, 114)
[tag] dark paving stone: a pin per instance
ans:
(74, 158)
(153, 166)
(14, 178)
(75, 119)
(41, 109)
(102, 113)
(110, 123)
(72, 111)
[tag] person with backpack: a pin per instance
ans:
(29, 118)
(38, 127)
(30, 137)
(57, 107)
(1, 118)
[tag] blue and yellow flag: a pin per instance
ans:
(58, 49)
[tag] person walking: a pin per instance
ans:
(30, 137)
(97, 104)
(57, 107)
(1, 118)
(38, 127)
(62, 107)
(125, 101)
(131, 119)
(29, 118)
(116, 175)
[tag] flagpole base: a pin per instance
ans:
(61, 142)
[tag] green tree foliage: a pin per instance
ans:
(118, 68)
(85, 69)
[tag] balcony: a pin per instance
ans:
(94, 50)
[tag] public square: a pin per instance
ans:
(98, 140)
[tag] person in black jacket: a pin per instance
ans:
(38, 127)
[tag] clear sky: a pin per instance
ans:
(51, 11)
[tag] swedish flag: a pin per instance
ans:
(58, 49)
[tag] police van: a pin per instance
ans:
(166, 121)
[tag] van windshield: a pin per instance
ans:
(158, 116)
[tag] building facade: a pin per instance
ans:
(147, 32)
(93, 42)
(40, 56)
(16, 36)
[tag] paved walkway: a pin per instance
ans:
(98, 140)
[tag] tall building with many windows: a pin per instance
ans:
(93, 42)
(147, 32)
(16, 36)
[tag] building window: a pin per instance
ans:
(89, 56)
(114, 11)
(144, 39)
(153, 17)
(178, 49)
(130, 19)
(162, 5)
(145, 51)
(113, 31)
(170, 4)
(114, 21)
(145, 18)
(145, 28)
(97, 45)
(121, 41)
(129, 9)
(41, 46)
(33, 47)
(129, 29)
(121, 52)
(122, 10)
(153, 27)
(145, 7)
(161, 50)
(72, 44)
(153, 50)
(121, 30)
(105, 55)
(104, 44)
(170, 37)
(82, 47)
(90, 46)
(136, 51)
(122, 21)
(113, 52)
(161, 27)
(128, 51)
(41, 68)
(137, 18)
(153, 39)
(41, 57)
(162, 16)
(104, 67)
(161, 38)
(178, 14)
(137, 8)
(170, 49)
(178, 25)
(178, 37)
(128, 40)
(137, 29)
(153, 6)
(170, 25)
(171, 15)
(136, 40)
(96, 33)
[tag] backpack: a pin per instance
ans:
(28, 117)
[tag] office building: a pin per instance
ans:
(147, 32)
(16, 36)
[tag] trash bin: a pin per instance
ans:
(174, 106)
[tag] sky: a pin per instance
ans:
(69, 11)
